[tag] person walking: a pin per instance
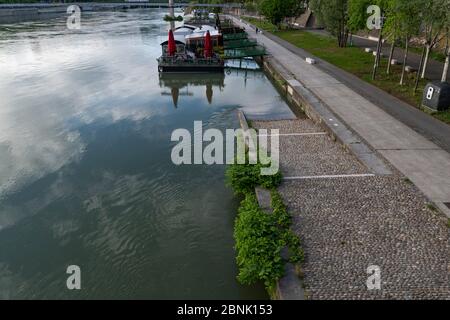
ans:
(257, 30)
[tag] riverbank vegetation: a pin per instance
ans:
(421, 27)
(244, 178)
(356, 61)
(261, 237)
(426, 22)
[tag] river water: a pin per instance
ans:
(86, 176)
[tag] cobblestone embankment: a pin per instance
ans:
(348, 223)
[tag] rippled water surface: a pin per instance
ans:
(85, 170)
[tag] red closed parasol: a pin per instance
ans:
(208, 46)
(172, 47)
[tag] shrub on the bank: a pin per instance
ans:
(243, 178)
(284, 221)
(260, 236)
(258, 244)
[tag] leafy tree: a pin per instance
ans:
(333, 15)
(434, 19)
(276, 10)
(385, 7)
(251, 6)
(357, 14)
(447, 47)
(358, 18)
(392, 30)
(407, 14)
(447, 60)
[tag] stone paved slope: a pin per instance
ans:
(347, 224)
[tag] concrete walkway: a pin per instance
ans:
(426, 164)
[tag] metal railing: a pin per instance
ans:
(166, 60)
(242, 43)
(237, 53)
(235, 36)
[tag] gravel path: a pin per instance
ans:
(348, 224)
(310, 155)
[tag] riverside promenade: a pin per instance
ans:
(359, 209)
(425, 163)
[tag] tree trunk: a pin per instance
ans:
(377, 57)
(340, 39)
(380, 49)
(405, 60)
(391, 55)
(447, 58)
(346, 34)
(445, 72)
(425, 64)
(340, 35)
(418, 71)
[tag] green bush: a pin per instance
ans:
(260, 236)
(243, 178)
(258, 244)
(284, 221)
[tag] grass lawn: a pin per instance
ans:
(356, 61)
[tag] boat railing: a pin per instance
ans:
(197, 61)
(234, 36)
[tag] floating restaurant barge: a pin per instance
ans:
(176, 58)
(204, 49)
(191, 49)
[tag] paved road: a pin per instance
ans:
(412, 152)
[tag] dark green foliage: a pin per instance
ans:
(169, 18)
(276, 10)
(284, 221)
(243, 178)
(261, 236)
(258, 243)
(333, 15)
(357, 11)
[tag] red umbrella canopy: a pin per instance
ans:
(172, 47)
(208, 45)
